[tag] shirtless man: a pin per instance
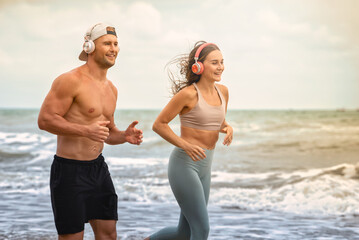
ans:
(79, 109)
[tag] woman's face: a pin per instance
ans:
(213, 66)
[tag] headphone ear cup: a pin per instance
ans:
(89, 46)
(197, 68)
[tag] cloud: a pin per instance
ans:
(304, 32)
(5, 3)
(5, 59)
(142, 18)
(340, 16)
(269, 47)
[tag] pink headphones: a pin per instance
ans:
(197, 67)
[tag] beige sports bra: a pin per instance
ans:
(204, 116)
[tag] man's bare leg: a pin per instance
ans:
(104, 229)
(74, 236)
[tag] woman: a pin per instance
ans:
(202, 106)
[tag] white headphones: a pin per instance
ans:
(89, 45)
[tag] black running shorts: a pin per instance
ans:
(81, 191)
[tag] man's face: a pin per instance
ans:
(106, 50)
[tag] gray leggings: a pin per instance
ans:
(190, 182)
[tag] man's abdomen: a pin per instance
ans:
(78, 148)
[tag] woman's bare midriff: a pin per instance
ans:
(78, 148)
(204, 138)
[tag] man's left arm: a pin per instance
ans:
(131, 135)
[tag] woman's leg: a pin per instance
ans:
(181, 232)
(186, 184)
(191, 195)
(189, 192)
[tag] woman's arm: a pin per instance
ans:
(180, 101)
(228, 130)
(225, 127)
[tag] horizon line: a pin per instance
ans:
(229, 109)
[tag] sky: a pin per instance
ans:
(278, 54)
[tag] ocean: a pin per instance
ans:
(288, 175)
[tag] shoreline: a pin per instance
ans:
(138, 220)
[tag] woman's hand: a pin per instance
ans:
(228, 130)
(195, 152)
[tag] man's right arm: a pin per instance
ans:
(58, 102)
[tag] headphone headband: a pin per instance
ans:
(197, 67)
(200, 49)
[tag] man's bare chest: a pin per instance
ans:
(94, 102)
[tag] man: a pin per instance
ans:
(79, 109)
